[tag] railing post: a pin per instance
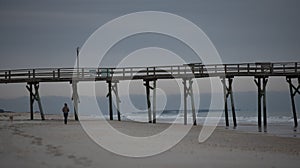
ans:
(112, 72)
(33, 74)
(147, 71)
(58, 73)
(98, 72)
(82, 73)
(216, 69)
(193, 69)
(248, 68)
(255, 68)
(9, 74)
(271, 67)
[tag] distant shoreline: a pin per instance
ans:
(281, 129)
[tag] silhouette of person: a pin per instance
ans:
(66, 110)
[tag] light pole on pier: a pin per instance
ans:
(77, 51)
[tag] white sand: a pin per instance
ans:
(50, 143)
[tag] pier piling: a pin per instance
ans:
(148, 101)
(188, 91)
(118, 101)
(109, 95)
(151, 112)
(75, 99)
(261, 83)
(154, 101)
(294, 89)
(35, 96)
(228, 92)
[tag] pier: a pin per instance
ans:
(260, 72)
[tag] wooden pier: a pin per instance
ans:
(187, 72)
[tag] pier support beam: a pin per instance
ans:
(228, 92)
(75, 99)
(153, 88)
(118, 101)
(109, 95)
(33, 89)
(294, 89)
(154, 101)
(113, 86)
(261, 83)
(188, 91)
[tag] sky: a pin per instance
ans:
(45, 33)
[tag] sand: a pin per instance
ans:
(50, 143)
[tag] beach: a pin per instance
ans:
(50, 143)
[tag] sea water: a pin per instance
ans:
(278, 123)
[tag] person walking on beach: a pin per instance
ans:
(66, 110)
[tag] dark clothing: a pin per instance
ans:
(66, 117)
(65, 110)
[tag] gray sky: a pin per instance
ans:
(45, 33)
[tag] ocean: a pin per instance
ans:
(279, 124)
(280, 118)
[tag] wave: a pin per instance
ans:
(172, 115)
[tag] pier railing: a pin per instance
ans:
(260, 71)
(196, 70)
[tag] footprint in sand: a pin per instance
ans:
(51, 149)
(81, 160)
(54, 150)
(37, 141)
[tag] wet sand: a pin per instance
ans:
(50, 143)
